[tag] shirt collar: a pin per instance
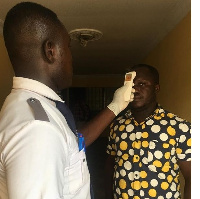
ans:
(35, 86)
(158, 112)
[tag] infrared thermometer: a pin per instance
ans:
(129, 77)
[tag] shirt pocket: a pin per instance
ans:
(77, 174)
(158, 157)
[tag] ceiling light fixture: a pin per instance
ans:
(85, 35)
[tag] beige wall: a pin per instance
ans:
(172, 57)
(6, 72)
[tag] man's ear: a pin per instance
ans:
(157, 88)
(49, 51)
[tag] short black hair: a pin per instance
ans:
(21, 21)
(152, 69)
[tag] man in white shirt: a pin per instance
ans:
(39, 153)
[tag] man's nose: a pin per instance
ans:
(136, 87)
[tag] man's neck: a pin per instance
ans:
(140, 114)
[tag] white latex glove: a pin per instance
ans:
(118, 103)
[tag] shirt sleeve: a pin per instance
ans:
(35, 159)
(111, 141)
(183, 149)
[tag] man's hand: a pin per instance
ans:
(118, 103)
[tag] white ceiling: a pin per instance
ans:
(131, 29)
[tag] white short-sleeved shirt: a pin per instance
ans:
(39, 159)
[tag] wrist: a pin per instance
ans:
(114, 108)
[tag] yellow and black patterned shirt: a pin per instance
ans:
(146, 155)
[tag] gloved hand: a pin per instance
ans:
(118, 103)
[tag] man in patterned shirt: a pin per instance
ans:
(148, 146)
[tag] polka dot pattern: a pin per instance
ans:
(147, 155)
